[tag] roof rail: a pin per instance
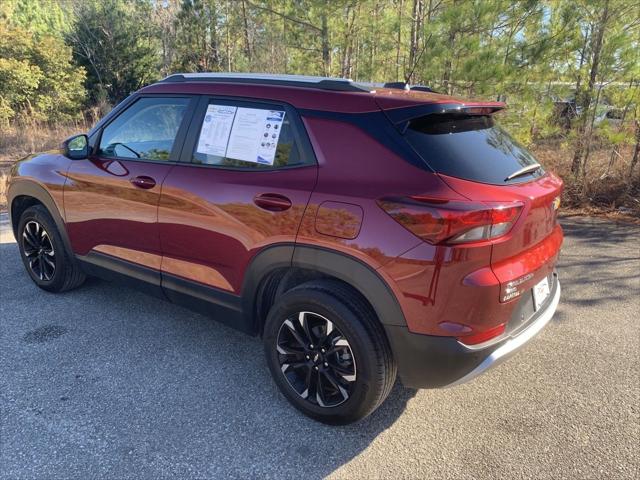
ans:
(320, 83)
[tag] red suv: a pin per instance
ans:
(360, 231)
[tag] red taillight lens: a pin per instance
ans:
(482, 337)
(436, 221)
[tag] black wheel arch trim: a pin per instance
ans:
(28, 188)
(339, 265)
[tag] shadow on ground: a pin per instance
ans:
(596, 247)
(127, 385)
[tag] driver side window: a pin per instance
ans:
(146, 130)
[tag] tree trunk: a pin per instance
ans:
(587, 94)
(416, 30)
(589, 133)
(228, 37)
(347, 47)
(446, 77)
(399, 38)
(247, 41)
(636, 152)
(324, 32)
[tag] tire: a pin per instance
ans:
(363, 369)
(49, 264)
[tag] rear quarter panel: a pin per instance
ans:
(356, 170)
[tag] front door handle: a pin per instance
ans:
(143, 182)
(272, 202)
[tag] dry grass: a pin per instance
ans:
(3, 190)
(20, 140)
(607, 190)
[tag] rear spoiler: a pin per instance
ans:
(401, 117)
(407, 87)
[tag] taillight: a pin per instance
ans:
(437, 221)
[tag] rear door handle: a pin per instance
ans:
(143, 182)
(272, 202)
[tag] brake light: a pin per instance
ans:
(437, 221)
(482, 337)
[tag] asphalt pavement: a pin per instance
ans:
(105, 382)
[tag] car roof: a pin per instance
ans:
(304, 92)
(306, 81)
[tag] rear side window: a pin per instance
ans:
(146, 130)
(469, 147)
(249, 136)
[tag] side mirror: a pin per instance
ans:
(76, 147)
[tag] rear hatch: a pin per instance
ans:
(461, 142)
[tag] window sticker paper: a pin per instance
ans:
(247, 134)
(216, 128)
(254, 136)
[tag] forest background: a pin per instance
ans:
(569, 70)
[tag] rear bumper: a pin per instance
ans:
(426, 361)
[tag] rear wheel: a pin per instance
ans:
(43, 252)
(328, 353)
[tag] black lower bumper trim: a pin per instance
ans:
(426, 361)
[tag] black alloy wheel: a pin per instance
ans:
(50, 264)
(316, 359)
(38, 249)
(327, 352)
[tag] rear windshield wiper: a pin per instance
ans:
(523, 171)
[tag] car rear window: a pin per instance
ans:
(470, 147)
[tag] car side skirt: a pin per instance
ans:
(224, 306)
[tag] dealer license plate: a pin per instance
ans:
(541, 292)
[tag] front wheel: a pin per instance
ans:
(48, 263)
(327, 352)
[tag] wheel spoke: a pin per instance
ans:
(49, 262)
(287, 350)
(338, 343)
(48, 267)
(295, 334)
(38, 270)
(27, 236)
(327, 333)
(45, 271)
(346, 374)
(320, 398)
(288, 365)
(304, 322)
(33, 237)
(47, 246)
(334, 382)
(308, 382)
(328, 329)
